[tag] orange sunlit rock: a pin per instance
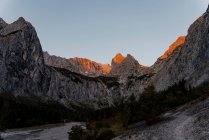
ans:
(118, 58)
(106, 68)
(175, 45)
(92, 66)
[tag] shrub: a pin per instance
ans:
(77, 133)
(105, 135)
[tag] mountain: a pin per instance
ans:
(118, 59)
(173, 47)
(21, 61)
(27, 70)
(24, 72)
(91, 67)
(79, 65)
(189, 62)
(2, 23)
(125, 66)
(185, 60)
(161, 61)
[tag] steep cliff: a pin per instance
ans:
(169, 54)
(190, 61)
(23, 72)
(26, 70)
(21, 61)
(78, 90)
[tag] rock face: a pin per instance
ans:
(26, 70)
(75, 89)
(91, 67)
(190, 61)
(161, 61)
(59, 62)
(173, 47)
(125, 66)
(185, 60)
(2, 23)
(23, 72)
(80, 65)
(118, 59)
(21, 60)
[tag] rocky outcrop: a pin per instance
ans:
(90, 67)
(80, 65)
(173, 47)
(78, 90)
(56, 61)
(117, 60)
(21, 60)
(189, 62)
(169, 54)
(125, 66)
(2, 23)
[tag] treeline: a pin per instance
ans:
(149, 107)
(151, 104)
(24, 111)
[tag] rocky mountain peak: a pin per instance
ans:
(173, 46)
(118, 59)
(128, 66)
(21, 19)
(91, 67)
(78, 65)
(2, 23)
(207, 9)
(21, 58)
(15, 26)
(129, 57)
(190, 62)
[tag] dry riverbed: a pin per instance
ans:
(47, 132)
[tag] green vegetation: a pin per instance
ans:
(151, 104)
(1, 138)
(24, 111)
(149, 107)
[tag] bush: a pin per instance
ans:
(105, 135)
(77, 133)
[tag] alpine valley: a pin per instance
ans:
(125, 92)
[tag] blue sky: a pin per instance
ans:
(98, 29)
